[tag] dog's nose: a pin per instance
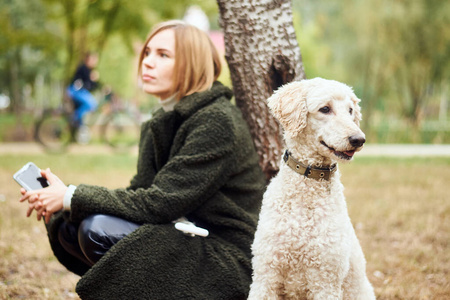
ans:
(356, 141)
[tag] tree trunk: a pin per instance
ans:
(19, 133)
(108, 24)
(262, 54)
(69, 9)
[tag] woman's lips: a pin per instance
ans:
(147, 78)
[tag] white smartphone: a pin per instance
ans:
(30, 178)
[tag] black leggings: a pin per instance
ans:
(89, 240)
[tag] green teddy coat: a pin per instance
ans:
(196, 161)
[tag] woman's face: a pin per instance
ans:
(158, 64)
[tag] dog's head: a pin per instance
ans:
(322, 113)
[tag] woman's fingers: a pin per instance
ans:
(34, 198)
(31, 197)
(39, 207)
(52, 178)
(34, 206)
(48, 215)
(24, 197)
(30, 210)
(48, 200)
(39, 213)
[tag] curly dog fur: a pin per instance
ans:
(305, 246)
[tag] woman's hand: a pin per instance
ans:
(48, 200)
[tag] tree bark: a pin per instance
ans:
(262, 54)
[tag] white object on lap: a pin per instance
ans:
(188, 227)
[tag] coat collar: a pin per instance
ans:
(190, 104)
(164, 125)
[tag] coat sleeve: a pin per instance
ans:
(193, 174)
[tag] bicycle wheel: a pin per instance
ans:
(121, 130)
(53, 131)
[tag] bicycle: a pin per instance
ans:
(118, 125)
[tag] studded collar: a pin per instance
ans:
(308, 171)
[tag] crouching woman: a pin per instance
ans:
(196, 161)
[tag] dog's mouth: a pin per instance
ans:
(347, 155)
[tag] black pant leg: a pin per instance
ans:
(98, 233)
(68, 238)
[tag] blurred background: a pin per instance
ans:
(396, 55)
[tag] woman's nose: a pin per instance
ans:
(149, 61)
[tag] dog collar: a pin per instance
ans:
(308, 171)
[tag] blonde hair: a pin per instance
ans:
(197, 62)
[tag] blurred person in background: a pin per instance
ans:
(83, 83)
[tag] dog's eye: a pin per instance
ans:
(325, 109)
(350, 110)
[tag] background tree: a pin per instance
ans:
(24, 42)
(262, 54)
(88, 25)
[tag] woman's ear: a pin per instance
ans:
(288, 105)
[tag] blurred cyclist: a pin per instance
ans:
(84, 81)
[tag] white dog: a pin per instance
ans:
(305, 246)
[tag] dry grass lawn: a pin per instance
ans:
(400, 209)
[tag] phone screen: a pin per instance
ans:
(30, 178)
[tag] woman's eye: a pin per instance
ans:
(146, 53)
(350, 111)
(325, 109)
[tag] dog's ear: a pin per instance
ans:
(288, 105)
(357, 110)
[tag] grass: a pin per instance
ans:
(28, 269)
(399, 208)
(400, 211)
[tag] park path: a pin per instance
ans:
(396, 150)
(34, 148)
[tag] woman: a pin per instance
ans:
(196, 160)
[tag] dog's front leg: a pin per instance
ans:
(356, 284)
(267, 282)
(265, 292)
(323, 284)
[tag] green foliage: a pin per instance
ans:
(43, 41)
(396, 54)
(25, 44)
